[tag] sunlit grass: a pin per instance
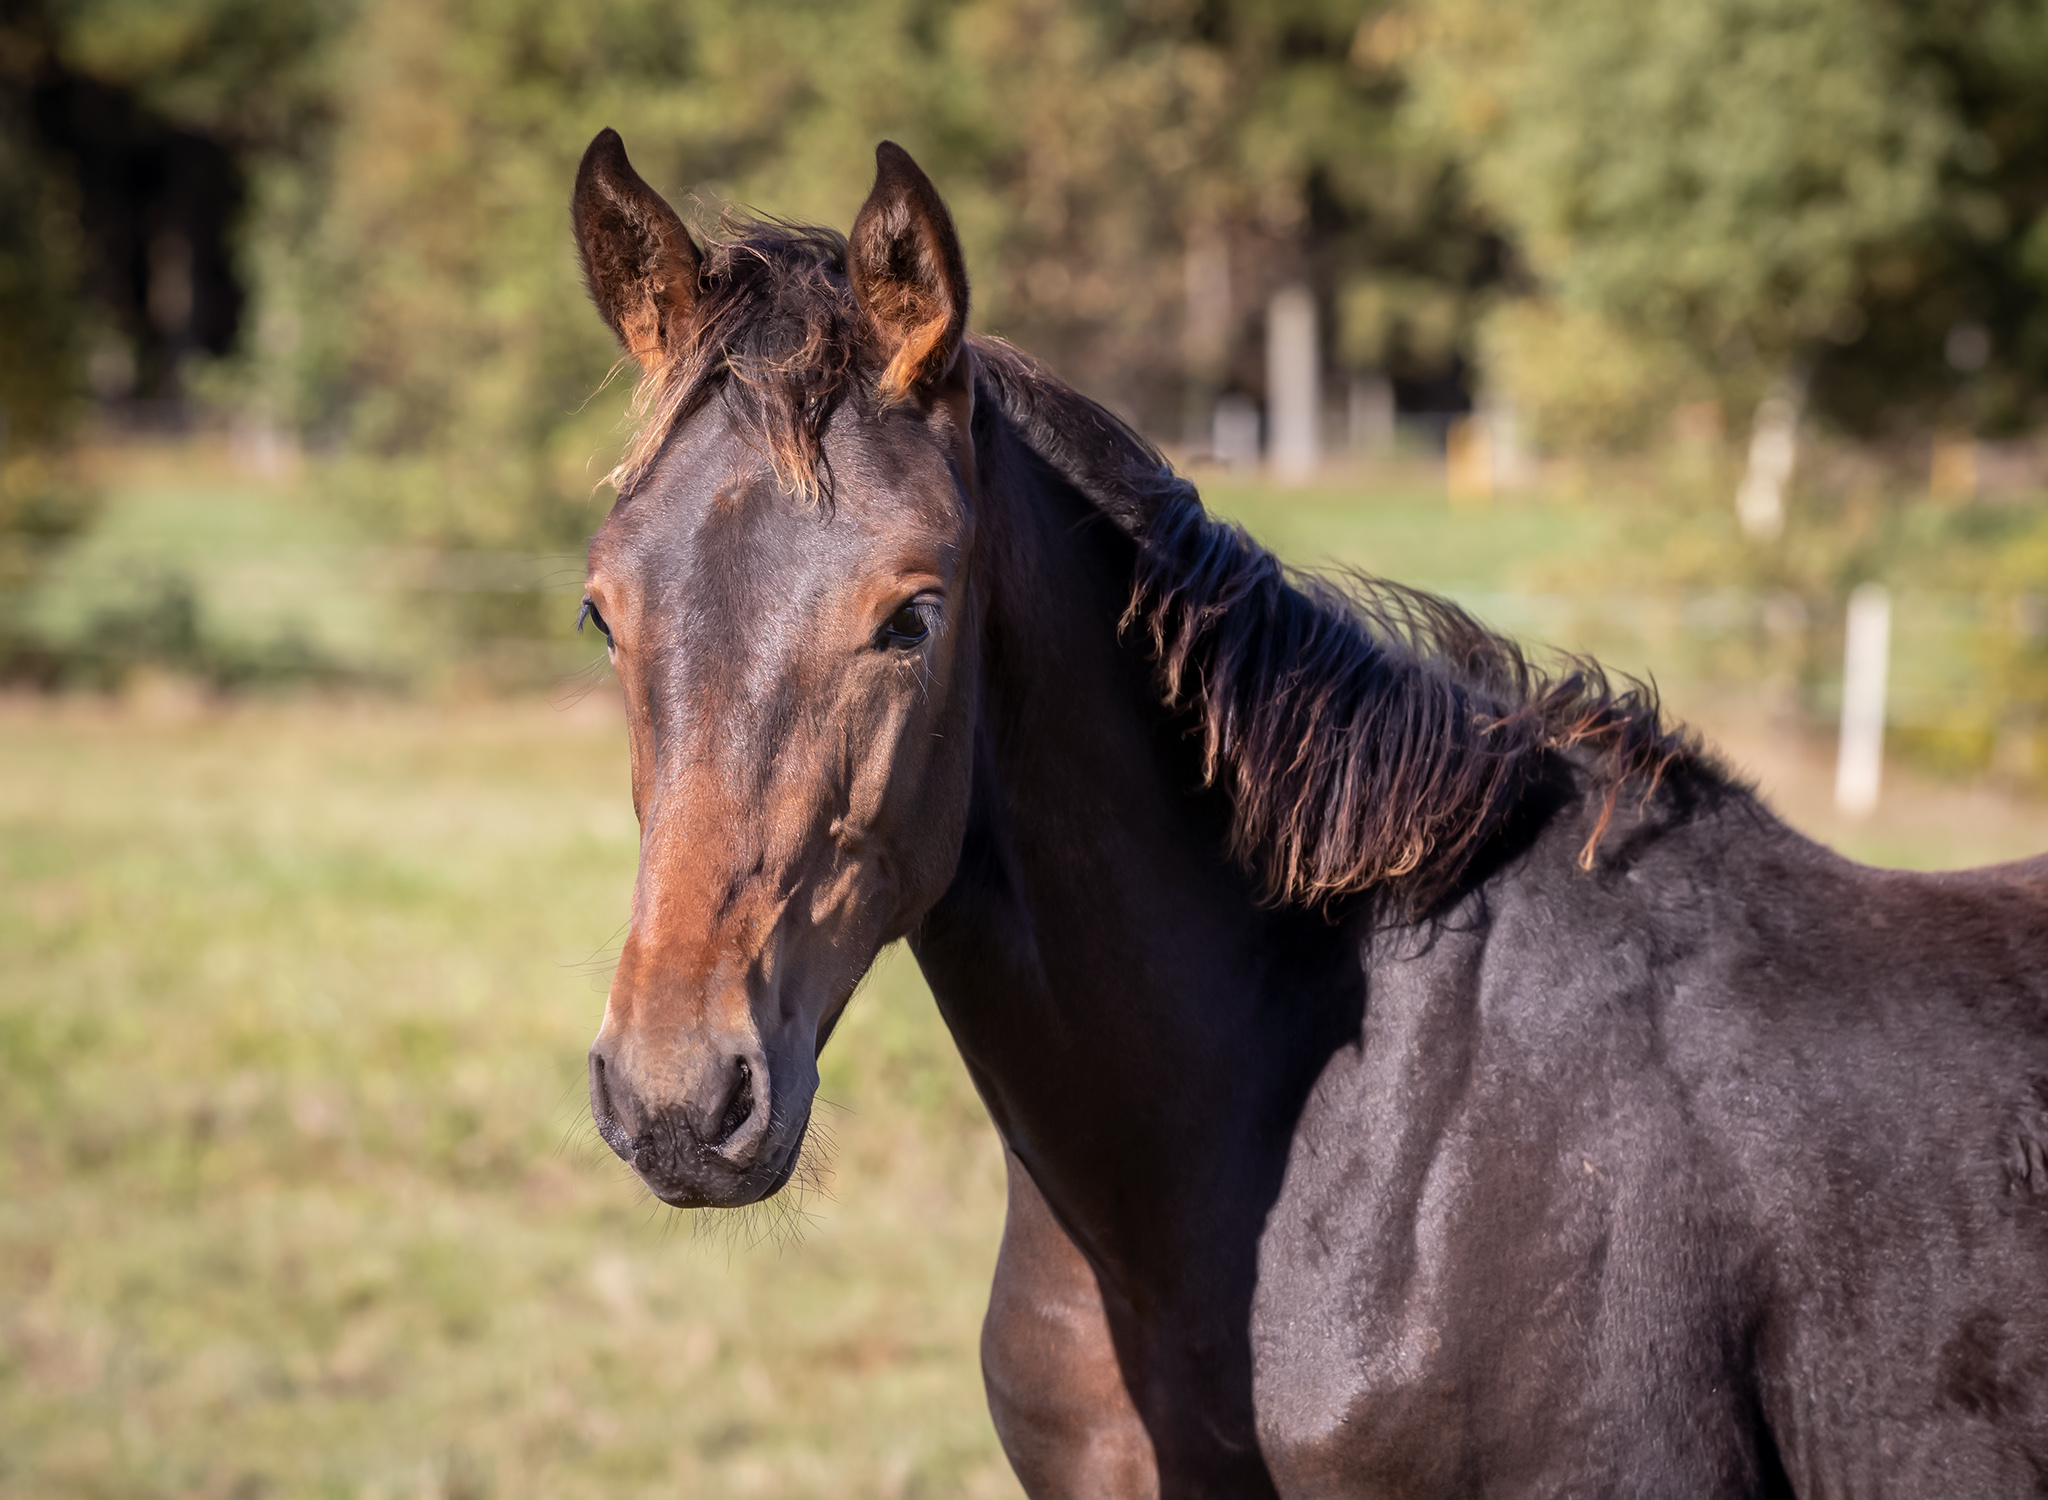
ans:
(1394, 520)
(300, 1196)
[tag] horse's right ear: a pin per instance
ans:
(638, 260)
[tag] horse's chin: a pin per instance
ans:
(752, 1185)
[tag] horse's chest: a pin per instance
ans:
(1367, 1320)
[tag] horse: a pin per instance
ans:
(1421, 1070)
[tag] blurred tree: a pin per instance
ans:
(124, 132)
(150, 115)
(1850, 190)
(41, 342)
(41, 369)
(429, 295)
(384, 179)
(1161, 168)
(1954, 325)
(1721, 170)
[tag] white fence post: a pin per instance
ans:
(1773, 450)
(1234, 432)
(1865, 664)
(1293, 385)
(1206, 330)
(1369, 413)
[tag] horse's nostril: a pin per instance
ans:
(604, 1111)
(740, 1107)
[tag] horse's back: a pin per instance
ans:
(1721, 1171)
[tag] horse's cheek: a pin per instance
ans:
(939, 825)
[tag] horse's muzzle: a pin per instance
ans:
(711, 1146)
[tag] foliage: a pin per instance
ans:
(40, 353)
(1750, 183)
(1586, 383)
(249, 72)
(1711, 171)
(1771, 183)
(1081, 146)
(41, 501)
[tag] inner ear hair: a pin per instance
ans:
(908, 275)
(638, 258)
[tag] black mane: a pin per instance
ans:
(773, 330)
(1370, 736)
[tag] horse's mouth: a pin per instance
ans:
(710, 1181)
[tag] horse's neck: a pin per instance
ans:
(1131, 1016)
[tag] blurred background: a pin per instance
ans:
(1657, 328)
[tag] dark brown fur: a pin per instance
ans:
(1370, 736)
(1670, 1155)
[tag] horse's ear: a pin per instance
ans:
(908, 275)
(638, 260)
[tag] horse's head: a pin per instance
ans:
(783, 585)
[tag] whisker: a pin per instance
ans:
(578, 685)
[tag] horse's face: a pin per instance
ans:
(792, 674)
(797, 675)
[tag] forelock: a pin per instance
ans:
(773, 335)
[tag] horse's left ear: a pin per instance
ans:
(908, 275)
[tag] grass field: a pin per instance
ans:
(299, 1194)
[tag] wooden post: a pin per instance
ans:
(1234, 432)
(1953, 473)
(1865, 664)
(1468, 462)
(1293, 384)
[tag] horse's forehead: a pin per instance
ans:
(714, 499)
(713, 523)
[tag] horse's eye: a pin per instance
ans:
(908, 626)
(589, 612)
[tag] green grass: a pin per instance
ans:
(264, 567)
(1396, 522)
(299, 1195)
(241, 578)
